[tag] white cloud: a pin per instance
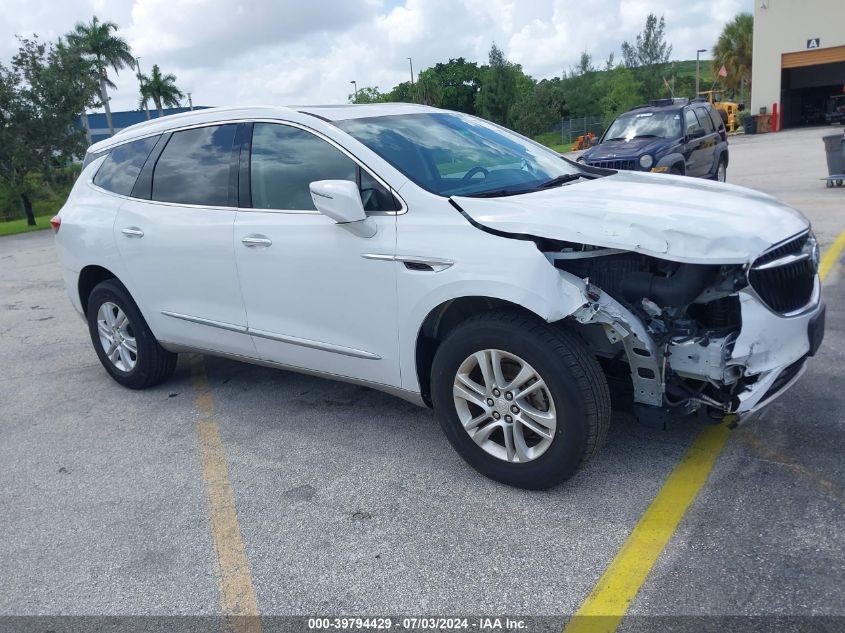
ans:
(307, 51)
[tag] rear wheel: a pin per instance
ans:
(122, 339)
(523, 402)
(721, 174)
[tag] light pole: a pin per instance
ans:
(140, 85)
(411, 62)
(697, 71)
(190, 103)
(355, 86)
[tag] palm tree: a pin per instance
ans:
(733, 49)
(161, 89)
(98, 41)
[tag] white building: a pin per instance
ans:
(799, 57)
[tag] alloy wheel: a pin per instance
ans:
(504, 405)
(117, 336)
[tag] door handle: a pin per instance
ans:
(255, 241)
(132, 231)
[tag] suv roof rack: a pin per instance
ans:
(669, 101)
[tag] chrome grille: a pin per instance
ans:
(784, 276)
(614, 164)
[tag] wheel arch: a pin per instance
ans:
(444, 318)
(675, 159)
(89, 277)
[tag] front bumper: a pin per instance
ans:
(775, 348)
(753, 368)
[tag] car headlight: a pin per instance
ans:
(646, 161)
(811, 247)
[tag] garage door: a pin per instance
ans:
(817, 56)
(812, 83)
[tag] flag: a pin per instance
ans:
(723, 72)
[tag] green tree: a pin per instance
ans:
(367, 94)
(98, 42)
(537, 110)
(427, 89)
(41, 96)
(459, 81)
(733, 49)
(498, 88)
(580, 88)
(621, 91)
(160, 89)
(401, 93)
(648, 56)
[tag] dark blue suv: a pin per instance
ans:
(677, 136)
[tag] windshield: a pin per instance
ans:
(645, 124)
(453, 154)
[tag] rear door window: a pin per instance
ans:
(120, 170)
(717, 120)
(705, 120)
(195, 167)
(691, 121)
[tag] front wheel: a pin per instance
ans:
(122, 339)
(523, 402)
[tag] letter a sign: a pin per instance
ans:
(813, 42)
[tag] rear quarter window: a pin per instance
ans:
(123, 164)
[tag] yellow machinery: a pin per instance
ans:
(729, 110)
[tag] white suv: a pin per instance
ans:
(446, 260)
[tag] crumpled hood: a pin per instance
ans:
(670, 217)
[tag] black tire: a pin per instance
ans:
(153, 363)
(572, 374)
(676, 171)
(722, 162)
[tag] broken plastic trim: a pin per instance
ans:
(645, 359)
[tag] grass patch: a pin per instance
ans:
(552, 140)
(13, 227)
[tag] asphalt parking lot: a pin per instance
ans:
(349, 501)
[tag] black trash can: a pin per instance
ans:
(833, 147)
(749, 124)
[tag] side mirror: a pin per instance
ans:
(697, 133)
(341, 201)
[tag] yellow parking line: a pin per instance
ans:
(234, 577)
(831, 256)
(606, 605)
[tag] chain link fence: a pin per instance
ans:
(570, 129)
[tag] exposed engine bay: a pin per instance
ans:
(672, 327)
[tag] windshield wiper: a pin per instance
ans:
(495, 193)
(560, 180)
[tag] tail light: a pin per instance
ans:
(56, 223)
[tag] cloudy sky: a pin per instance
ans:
(307, 51)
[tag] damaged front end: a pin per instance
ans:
(721, 341)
